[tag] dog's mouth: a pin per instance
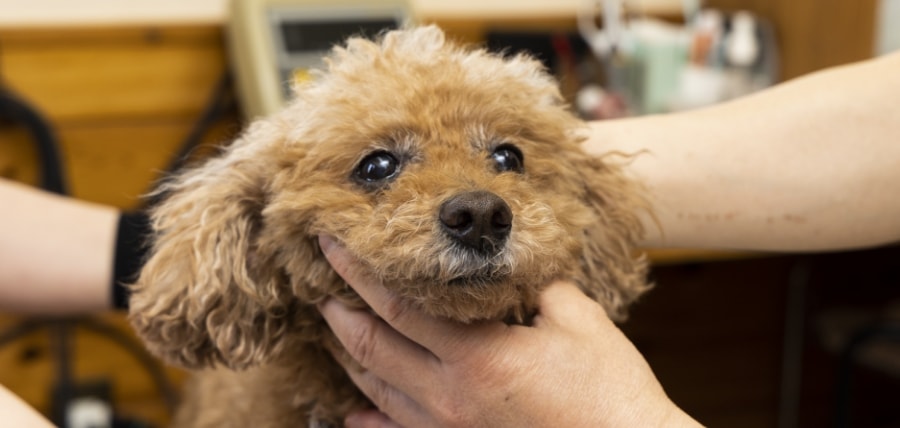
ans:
(475, 280)
(486, 275)
(470, 267)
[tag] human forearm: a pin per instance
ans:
(56, 254)
(808, 165)
(16, 413)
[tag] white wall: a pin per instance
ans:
(887, 38)
(15, 13)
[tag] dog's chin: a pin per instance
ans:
(465, 285)
(475, 269)
(470, 298)
(484, 273)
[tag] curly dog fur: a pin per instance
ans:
(235, 270)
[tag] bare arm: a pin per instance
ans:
(813, 164)
(56, 254)
(16, 412)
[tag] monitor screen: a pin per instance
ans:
(319, 35)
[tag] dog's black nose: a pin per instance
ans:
(478, 219)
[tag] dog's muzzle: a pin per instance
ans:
(478, 220)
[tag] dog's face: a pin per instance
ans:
(454, 175)
(444, 177)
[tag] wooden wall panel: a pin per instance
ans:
(117, 164)
(111, 162)
(121, 101)
(18, 157)
(79, 75)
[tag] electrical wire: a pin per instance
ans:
(19, 111)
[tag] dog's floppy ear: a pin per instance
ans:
(207, 295)
(613, 273)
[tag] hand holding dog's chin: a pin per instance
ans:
(572, 367)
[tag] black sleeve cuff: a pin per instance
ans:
(131, 248)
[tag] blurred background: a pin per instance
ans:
(116, 93)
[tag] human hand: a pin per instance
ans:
(572, 367)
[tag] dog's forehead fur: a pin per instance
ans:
(441, 110)
(415, 92)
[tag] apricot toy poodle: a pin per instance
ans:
(454, 174)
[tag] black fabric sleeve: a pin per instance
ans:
(131, 249)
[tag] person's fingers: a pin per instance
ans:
(562, 302)
(380, 349)
(388, 305)
(442, 337)
(369, 419)
(389, 401)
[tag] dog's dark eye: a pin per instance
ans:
(377, 166)
(508, 158)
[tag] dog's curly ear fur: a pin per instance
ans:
(206, 295)
(613, 274)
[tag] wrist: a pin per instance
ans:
(130, 252)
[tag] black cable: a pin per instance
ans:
(221, 101)
(164, 387)
(19, 111)
(59, 326)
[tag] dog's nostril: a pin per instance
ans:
(456, 218)
(479, 219)
(502, 218)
